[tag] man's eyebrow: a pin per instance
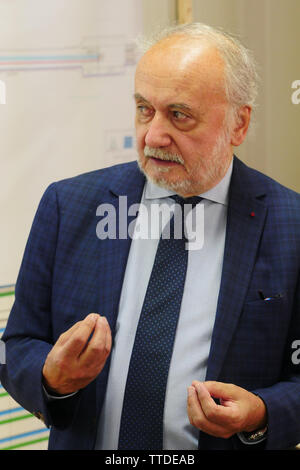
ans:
(182, 106)
(137, 96)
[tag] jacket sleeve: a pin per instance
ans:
(28, 335)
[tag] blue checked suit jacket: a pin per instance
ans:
(68, 272)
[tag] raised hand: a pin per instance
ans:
(78, 356)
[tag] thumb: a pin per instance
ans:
(223, 391)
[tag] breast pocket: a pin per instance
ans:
(258, 345)
(264, 325)
(268, 304)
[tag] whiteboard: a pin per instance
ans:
(68, 68)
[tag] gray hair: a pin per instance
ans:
(241, 76)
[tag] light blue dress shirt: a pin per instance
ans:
(195, 324)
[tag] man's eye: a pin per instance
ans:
(143, 110)
(179, 116)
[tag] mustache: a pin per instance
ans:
(163, 155)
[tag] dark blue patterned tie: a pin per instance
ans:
(143, 407)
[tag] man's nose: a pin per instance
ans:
(158, 132)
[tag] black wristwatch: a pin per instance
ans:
(253, 437)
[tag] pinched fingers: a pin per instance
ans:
(75, 338)
(99, 346)
(207, 415)
(228, 413)
(78, 356)
(198, 418)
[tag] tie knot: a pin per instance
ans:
(194, 200)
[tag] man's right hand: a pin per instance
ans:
(77, 357)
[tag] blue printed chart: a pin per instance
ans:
(68, 73)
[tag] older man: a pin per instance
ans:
(203, 340)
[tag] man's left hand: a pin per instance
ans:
(239, 410)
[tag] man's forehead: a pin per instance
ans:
(180, 79)
(181, 60)
(184, 52)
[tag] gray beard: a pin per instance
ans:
(185, 186)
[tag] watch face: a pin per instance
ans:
(255, 435)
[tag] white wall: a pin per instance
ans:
(157, 14)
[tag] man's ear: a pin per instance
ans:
(240, 129)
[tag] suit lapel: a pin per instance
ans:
(245, 221)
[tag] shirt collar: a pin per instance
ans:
(218, 193)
